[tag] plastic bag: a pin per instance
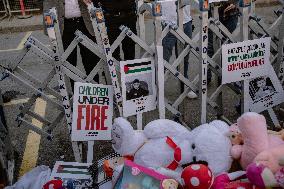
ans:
(34, 179)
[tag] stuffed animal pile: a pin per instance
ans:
(202, 158)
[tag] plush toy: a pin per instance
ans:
(211, 144)
(234, 180)
(197, 176)
(166, 140)
(267, 169)
(255, 138)
(235, 135)
(261, 176)
(279, 134)
(53, 184)
(125, 140)
(173, 146)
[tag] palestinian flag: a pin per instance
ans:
(137, 67)
(73, 169)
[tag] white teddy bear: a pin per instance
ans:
(163, 143)
(166, 145)
(211, 144)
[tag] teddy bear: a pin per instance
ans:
(255, 138)
(167, 146)
(235, 135)
(211, 145)
(167, 141)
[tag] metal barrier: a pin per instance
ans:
(30, 5)
(3, 9)
(8, 7)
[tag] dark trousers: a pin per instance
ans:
(113, 23)
(231, 24)
(89, 59)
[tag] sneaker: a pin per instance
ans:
(191, 95)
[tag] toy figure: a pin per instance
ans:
(169, 184)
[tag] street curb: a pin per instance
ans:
(5, 30)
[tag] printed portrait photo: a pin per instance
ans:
(260, 87)
(138, 86)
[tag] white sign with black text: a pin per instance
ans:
(245, 60)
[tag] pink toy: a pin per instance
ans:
(224, 180)
(255, 138)
(261, 176)
(266, 171)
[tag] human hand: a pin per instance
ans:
(232, 6)
(87, 1)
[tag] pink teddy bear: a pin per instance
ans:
(257, 146)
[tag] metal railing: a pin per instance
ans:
(8, 7)
(30, 5)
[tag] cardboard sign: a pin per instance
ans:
(138, 86)
(77, 172)
(263, 92)
(245, 60)
(92, 112)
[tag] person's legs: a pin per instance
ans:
(67, 38)
(187, 27)
(89, 59)
(231, 23)
(210, 52)
(188, 31)
(168, 44)
(128, 44)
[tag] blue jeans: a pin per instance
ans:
(170, 41)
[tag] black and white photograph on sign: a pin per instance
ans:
(260, 87)
(138, 86)
(263, 92)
